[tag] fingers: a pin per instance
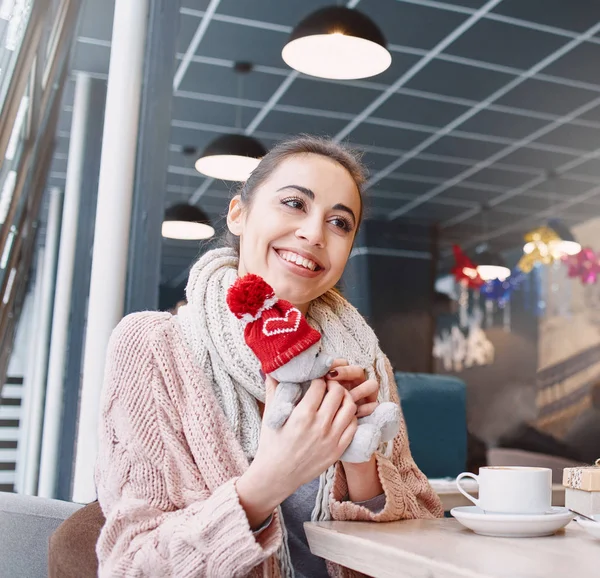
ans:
(347, 373)
(313, 398)
(347, 435)
(366, 409)
(270, 386)
(335, 367)
(332, 402)
(367, 391)
(344, 415)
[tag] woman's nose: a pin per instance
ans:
(312, 232)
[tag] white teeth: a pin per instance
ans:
(298, 260)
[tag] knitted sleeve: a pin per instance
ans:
(161, 519)
(407, 491)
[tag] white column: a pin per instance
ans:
(111, 238)
(29, 377)
(40, 362)
(64, 284)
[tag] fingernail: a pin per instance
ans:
(332, 373)
(262, 375)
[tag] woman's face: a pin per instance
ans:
(298, 231)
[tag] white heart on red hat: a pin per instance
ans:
(287, 324)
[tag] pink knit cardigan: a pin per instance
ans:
(168, 463)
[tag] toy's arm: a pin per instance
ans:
(287, 395)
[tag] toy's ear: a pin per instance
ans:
(235, 216)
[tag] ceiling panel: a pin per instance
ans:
(501, 124)
(452, 79)
(245, 46)
(546, 97)
(419, 110)
(465, 148)
(570, 135)
(401, 139)
(411, 24)
(335, 97)
(580, 64)
(538, 159)
(222, 81)
(576, 15)
(504, 44)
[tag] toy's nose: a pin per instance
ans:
(329, 361)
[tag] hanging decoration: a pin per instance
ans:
(465, 273)
(498, 293)
(465, 270)
(537, 248)
(584, 266)
(458, 351)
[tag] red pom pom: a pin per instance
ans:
(248, 294)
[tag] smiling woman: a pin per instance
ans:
(190, 479)
(297, 215)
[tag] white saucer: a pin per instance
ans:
(513, 525)
(591, 527)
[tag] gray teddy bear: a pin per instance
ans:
(290, 351)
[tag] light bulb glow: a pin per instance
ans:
(227, 167)
(491, 272)
(186, 230)
(336, 56)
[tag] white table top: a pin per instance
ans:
(443, 548)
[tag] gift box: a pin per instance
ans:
(586, 478)
(586, 503)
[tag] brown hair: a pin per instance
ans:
(304, 144)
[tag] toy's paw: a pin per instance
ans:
(277, 415)
(387, 419)
(363, 444)
(390, 420)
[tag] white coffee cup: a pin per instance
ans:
(511, 489)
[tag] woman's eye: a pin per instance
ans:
(342, 223)
(293, 203)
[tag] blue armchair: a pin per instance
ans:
(434, 408)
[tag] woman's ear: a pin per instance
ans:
(235, 216)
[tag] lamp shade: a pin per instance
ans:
(339, 43)
(567, 245)
(231, 157)
(186, 222)
(491, 265)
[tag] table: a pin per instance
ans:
(452, 498)
(442, 548)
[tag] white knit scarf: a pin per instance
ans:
(216, 338)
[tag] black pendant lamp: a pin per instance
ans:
(231, 157)
(491, 265)
(567, 244)
(339, 43)
(186, 222)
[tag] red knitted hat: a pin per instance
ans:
(275, 330)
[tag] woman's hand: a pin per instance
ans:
(362, 479)
(313, 438)
(364, 391)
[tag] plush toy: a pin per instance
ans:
(289, 350)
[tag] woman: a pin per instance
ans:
(189, 480)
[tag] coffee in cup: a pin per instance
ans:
(511, 489)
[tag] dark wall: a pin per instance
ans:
(389, 279)
(168, 297)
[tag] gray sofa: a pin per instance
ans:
(26, 523)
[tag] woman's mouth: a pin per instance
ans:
(299, 263)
